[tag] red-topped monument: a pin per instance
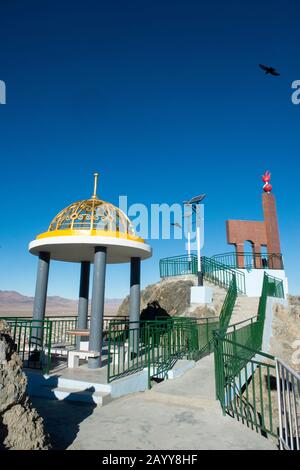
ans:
(258, 233)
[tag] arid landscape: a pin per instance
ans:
(13, 303)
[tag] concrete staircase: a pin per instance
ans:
(195, 390)
(88, 386)
(245, 307)
(60, 388)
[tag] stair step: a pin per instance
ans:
(86, 396)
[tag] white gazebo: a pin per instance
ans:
(85, 232)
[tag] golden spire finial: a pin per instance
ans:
(94, 196)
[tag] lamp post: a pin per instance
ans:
(193, 203)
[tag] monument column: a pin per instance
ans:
(83, 302)
(97, 311)
(40, 297)
(134, 302)
(271, 225)
(239, 247)
(257, 256)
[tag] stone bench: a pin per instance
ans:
(74, 356)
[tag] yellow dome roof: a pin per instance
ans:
(92, 214)
(91, 217)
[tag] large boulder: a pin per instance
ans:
(173, 295)
(286, 332)
(21, 428)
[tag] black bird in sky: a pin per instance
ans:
(269, 70)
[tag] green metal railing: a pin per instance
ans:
(213, 271)
(228, 305)
(221, 275)
(60, 328)
(243, 373)
(244, 387)
(157, 345)
(33, 341)
(275, 287)
(178, 265)
(250, 260)
(38, 341)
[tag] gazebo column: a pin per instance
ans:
(134, 302)
(83, 302)
(97, 311)
(40, 297)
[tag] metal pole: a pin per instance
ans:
(200, 274)
(97, 311)
(40, 298)
(134, 303)
(83, 301)
(189, 237)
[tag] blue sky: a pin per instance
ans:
(165, 99)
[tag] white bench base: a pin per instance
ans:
(74, 356)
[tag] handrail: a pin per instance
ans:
(228, 305)
(222, 275)
(157, 344)
(250, 260)
(178, 265)
(288, 390)
(33, 341)
(239, 372)
(214, 271)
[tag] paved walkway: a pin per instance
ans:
(177, 414)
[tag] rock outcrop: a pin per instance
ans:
(173, 294)
(21, 428)
(285, 340)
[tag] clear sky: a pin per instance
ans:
(165, 99)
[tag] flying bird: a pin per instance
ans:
(269, 70)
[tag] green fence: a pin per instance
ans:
(38, 341)
(228, 305)
(221, 275)
(213, 270)
(250, 260)
(245, 387)
(60, 329)
(243, 373)
(178, 265)
(33, 341)
(157, 345)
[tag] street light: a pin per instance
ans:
(194, 202)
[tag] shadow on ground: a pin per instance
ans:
(62, 418)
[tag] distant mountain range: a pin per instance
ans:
(14, 303)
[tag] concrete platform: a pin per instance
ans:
(83, 384)
(177, 414)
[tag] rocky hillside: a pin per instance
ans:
(285, 342)
(173, 294)
(21, 428)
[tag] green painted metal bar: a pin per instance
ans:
(228, 305)
(238, 374)
(213, 270)
(251, 260)
(159, 345)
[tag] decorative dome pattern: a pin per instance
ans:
(92, 214)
